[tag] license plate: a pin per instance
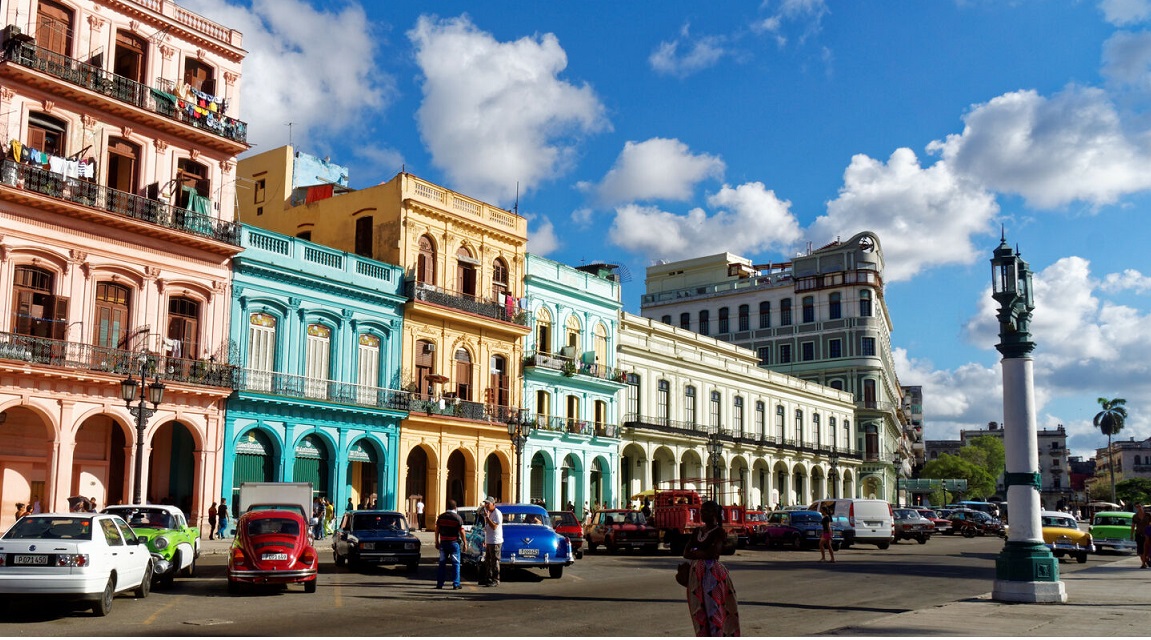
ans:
(30, 560)
(389, 558)
(873, 524)
(529, 553)
(274, 556)
(367, 546)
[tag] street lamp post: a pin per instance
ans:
(518, 430)
(833, 459)
(715, 448)
(1025, 570)
(897, 468)
(141, 393)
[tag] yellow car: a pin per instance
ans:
(1062, 535)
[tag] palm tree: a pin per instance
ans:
(1110, 422)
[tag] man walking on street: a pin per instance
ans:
(449, 542)
(212, 521)
(493, 523)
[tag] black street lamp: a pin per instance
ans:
(518, 430)
(715, 448)
(141, 393)
(833, 459)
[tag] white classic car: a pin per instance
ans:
(86, 556)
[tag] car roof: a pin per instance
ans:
(158, 507)
(1060, 514)
(1115, 513)
(380, 512)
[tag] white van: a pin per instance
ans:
(873, 520)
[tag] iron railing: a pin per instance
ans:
(97, 196)
(561, 424)
(572, 367)
(469, 303)
(86, 357)
(296, 386)
(118, 87)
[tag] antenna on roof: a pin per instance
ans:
(289, 124)
(516, 207)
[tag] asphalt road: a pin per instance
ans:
(781, 593)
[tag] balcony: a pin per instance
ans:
(311, 389)
(558, 424)
(571, 367)
(111, 207)
(466, 302)
(107, 91)
(458, 408)
(118, 362)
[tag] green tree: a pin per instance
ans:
(986, 452)
(1134, 491)
(980, 482)
(1110, 421)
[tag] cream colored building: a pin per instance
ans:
(783, 440)
(463, 325)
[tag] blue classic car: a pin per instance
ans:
(799, 530)
(375, 537)
(529, 541)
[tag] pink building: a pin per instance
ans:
(117, 193)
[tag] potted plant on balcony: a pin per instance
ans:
(568, 368)
(620, 376)
(530, 360)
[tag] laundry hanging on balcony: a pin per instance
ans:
(199, 219)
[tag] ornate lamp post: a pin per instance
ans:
(130, 391)
(897, 469)
(715, 448)
(833, 473)
(518, 430)
(1025, 570)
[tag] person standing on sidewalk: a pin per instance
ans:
(222, 514)
(450, 541)
(212, 521)
(420, 512)
(493, 523)
(825, 537)
(1139, 524)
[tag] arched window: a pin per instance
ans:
(261, 351)
(543, 406)
(815, 434)
(831, 431)
(498, 390)
(425, 358)
(865, 303)
(184, 325)
(113, 315)
(466, 273)
(761, 419)
(572, 334)
(685, 321)
(463, 361)
(35, 310)
(599, 339)
(317, 360)
(54, 28)
(123, 162)
(499, 278)
(543, 331)
(426, 262)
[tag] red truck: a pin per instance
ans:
(675, 512)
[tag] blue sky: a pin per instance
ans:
(639, 131)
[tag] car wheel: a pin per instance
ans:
(145, 587)
(1058, 554)
(310, 586)
(412, 566)
(969, 533)
(883, 546)
(103, 605)
(556, 571)
(1081, 558)
(921, 539)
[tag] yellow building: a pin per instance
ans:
(463, 325)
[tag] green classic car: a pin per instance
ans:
(174, 544)
(1112, 531)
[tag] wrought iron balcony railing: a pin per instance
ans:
(469, 303)
(98, 80)
(86, 357)
(458, 408)
(572, 367)
(296, 386)
(96, 196)
(561, 424)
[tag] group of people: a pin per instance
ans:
(28, 508)
(218, 520)
(323, 518)
(450, 542)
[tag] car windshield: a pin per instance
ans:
(805, 518)
(757, 517)
(54, 528)
(564, 519)
(273, 526)
(144, 517)
(379, 521)
(906, 514)
(927, 513)
(623, 517)
(524, 517)
(1112, 521)
(1059, 521)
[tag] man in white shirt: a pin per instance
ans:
(493, 522)
(420, 512)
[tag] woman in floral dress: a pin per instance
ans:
(711, 598)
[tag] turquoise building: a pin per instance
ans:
(317, 334)
(571, 384)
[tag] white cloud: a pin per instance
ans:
(1127, 58)
(543, 240)
(294, 73)
(807, 14)
(495, 113)
(1125, 12)
(1128, 280)
(684, 55)
(1052, 151)
(967, 398)
(925, 217)
(655, 169)
(748, 219)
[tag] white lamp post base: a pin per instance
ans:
(1031, 592)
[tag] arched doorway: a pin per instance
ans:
(100, 462)
(597, 484)
(538, 478)
(24, 463)
(255, 462)
(172, 466)
(363, 473)
(457, 477)
(313, 464)
(417, 478)
(570, 488)
(494, 478)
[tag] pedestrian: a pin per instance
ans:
(711, 598)
(350, 507)
(212, 521)
(420, 511)
(450, 541)
(493, 523)
(36, 508)
(646, 510)
(329, 517)
(222, 515)
(21, 510)
(1139, 524)
(825, 537)
(92, 504)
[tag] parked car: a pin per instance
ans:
(1062, 535)
(1111, 531)
(621, 529)
(911, 525)
(174, 544)
(272, 546)
(942, 523)
(529, 541)
(566, 524)
(756, 526)
(375, 537)
(871, 520)
(90, 557)
(468, 515)
(971, 523)
(799, 530)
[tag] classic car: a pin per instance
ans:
(1111, 530)
(272, 546)
(1062, 535)
(375, 537)
(799, 529)
(942, 524)
(566, 523)
(756, 526)
(971, 523)
(89, 557)
(468, 514)
(175, 545)
(529, 541)
(911, 525)
(621, 529)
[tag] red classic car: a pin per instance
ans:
(566, 524)
(621, 529)
(272, 546)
